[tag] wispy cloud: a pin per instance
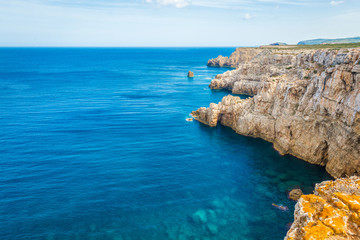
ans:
(133, 22)
(246, 5)
(288, 2)
(334, 3)
(78, 3)
(248, 16)
(175, 3)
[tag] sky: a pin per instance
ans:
(164, 23)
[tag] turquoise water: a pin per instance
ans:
(94, 145)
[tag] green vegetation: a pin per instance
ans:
(330, 41)
(307, 77)
(320, 46)
(331, 46)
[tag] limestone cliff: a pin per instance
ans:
(240, 55)
(307, 102)
(331, 213)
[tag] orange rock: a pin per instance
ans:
(332, 213)
(317, 231)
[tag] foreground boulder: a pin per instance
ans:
(331, 213)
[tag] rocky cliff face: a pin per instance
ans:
(307, 102)
(331, 213)
(240, 55)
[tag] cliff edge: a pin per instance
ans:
(305, 101)
(240, 55)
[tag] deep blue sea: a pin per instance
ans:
(94, 145)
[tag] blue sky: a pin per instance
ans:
(174, 22)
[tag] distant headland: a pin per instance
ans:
(320, 41)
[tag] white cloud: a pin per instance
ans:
(288, 2)
(334, 3)
(248, 16)
(250, 5)
(176, 3)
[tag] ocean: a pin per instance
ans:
(94, 145)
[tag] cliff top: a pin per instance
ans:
(318, 46)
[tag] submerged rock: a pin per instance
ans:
(199, 217)
(217, 204)
(189, 119)
(212, 228)
(211, 214)
(331, 213)
(295, 194)
(190, 74)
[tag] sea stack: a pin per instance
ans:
(190, 74)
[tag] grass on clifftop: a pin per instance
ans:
(320, 46)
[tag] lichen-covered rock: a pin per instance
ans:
(331, 213)
(307, 102)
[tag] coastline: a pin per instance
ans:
(306, 102)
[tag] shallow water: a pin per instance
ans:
(94, 145)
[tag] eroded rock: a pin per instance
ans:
(240, 55)
(331, 213)
(306, 102)
(295, 194)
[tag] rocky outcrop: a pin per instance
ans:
(190, 74)
(295, 194)
(240, 55)
(307, 102)
(331, 213)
